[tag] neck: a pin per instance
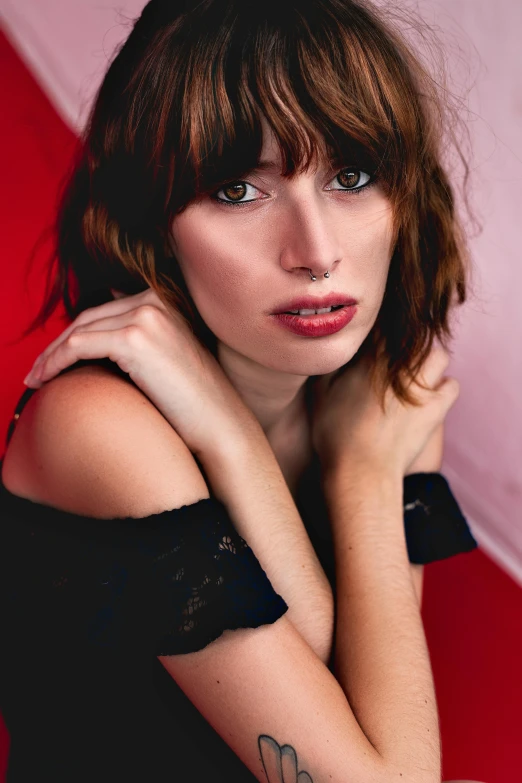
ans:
(277, 400)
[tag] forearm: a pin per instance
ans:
(245, 475)
(417, 575)
(381, 656)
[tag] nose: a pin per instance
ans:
(308, 238)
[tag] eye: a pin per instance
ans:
(352, 179)
(235, 193)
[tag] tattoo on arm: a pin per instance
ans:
(280, 762)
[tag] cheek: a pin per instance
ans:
(213, 263)
(225, 269)
(371, 248)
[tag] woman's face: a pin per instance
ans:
(241, 261)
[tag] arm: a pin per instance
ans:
(92, 445)
(381, 656)
(298, 573)
(300, 580)
(244, 461)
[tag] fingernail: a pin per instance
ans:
(32, 382)
(33, 377)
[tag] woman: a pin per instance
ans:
(238, 161)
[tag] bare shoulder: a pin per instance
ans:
(91, 443)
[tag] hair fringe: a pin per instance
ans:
(179, 113)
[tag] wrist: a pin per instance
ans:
(358, 477)
(369, 500)
(237, 447)
(231, 435)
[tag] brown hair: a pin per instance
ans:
(178, 115)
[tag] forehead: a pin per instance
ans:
(271, 151)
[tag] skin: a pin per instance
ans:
(240, 262)
(237, 263)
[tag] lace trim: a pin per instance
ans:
(170, 588)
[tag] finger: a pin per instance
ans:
(117, 294)
(450, 389)
(100, 339)
(88, 316)
(92, 314)
(433, 368)
(437, 364)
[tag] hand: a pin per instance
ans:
(163, 358)
(348, 422)
(430, 458)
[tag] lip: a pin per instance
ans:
(317, 325)
(315, 302)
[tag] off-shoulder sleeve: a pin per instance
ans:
(435, 526)
(164, 584)
(206, 579)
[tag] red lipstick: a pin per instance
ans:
(319, 325)
(315, 302)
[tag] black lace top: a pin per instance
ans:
(86, 605)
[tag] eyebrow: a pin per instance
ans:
(267, 165)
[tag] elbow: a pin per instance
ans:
(315, 623)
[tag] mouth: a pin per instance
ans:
(311, 305)
(310, 312)
(317, 324)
